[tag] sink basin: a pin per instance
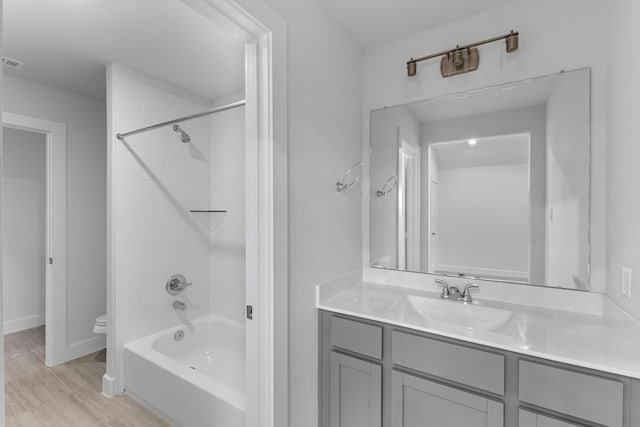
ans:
(449, 313)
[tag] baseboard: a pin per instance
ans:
(82, 348)
(108, 386)
(11, 326)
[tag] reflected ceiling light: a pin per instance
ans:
(472, 141)
(463, 59)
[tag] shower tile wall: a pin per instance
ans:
(158, 180)
(228, 192)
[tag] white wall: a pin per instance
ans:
(623, 156)
(484, 219)
(228, 193)
(551, 39)
(324, 133)
(567, 231)
(86, 191)
(158, 179)
(530, 120)
(24, 224)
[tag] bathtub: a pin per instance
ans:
(195, 381)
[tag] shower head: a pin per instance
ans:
(184, 137)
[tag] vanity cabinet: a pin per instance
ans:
(577, 394)
(531, 419)
(418, 402)
(356, 392)
(379, 375)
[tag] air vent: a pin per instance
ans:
(12, 63)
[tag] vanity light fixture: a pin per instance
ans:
(463, 59)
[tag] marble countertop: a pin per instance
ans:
(596, 341)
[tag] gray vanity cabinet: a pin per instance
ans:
(356, 392)
(417, 402)
(379, 375)
(531, 419)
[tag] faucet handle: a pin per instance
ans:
(466, 294)
(445, 288)
(176, 284)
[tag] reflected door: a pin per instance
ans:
(433, 231)
(409, 215)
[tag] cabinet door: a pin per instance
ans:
(531, 419)
(416, 402)
(356, 392)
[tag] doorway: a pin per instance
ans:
(34, 224)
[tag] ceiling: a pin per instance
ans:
(490, 151)
(375, 22)
(66, 44)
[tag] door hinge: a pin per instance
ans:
(250, 312)
(50, 260)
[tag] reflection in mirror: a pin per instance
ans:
(491, 184)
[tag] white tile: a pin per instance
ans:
(187, 252)
(137, 259)
(126, 164)
(136, 227)
(174, 226)
(141, 290)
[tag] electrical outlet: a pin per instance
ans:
(626, 280)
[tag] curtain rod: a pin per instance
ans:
(121, 136)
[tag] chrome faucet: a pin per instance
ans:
(176, 284)
(445, 288)
(179, 305)
(466, 294)
(453, 292)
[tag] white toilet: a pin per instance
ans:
(100, 326)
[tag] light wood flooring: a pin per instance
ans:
(67, 395)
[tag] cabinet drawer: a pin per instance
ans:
(357, 337)
(581, 395)
(465, 365)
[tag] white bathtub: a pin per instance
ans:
(196, 381)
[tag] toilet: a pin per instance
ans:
(100, 327)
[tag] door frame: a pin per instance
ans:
(267, 364)
(56, 229)
(266, 386)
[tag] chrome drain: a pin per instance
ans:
(178, 335)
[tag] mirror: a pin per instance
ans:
(491, 183)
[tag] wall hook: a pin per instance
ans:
(341, 185)
(388, 186)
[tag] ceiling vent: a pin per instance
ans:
(12, 63)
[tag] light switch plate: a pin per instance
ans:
(626, 281)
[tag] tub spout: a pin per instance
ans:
(179, 305)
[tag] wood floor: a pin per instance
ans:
(67, 395)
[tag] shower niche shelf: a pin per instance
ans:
(210, 219)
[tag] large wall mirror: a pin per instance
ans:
(492, 183)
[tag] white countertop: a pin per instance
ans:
(604, 342)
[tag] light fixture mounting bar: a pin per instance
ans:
(511, 42)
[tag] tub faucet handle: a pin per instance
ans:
(176, 284)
